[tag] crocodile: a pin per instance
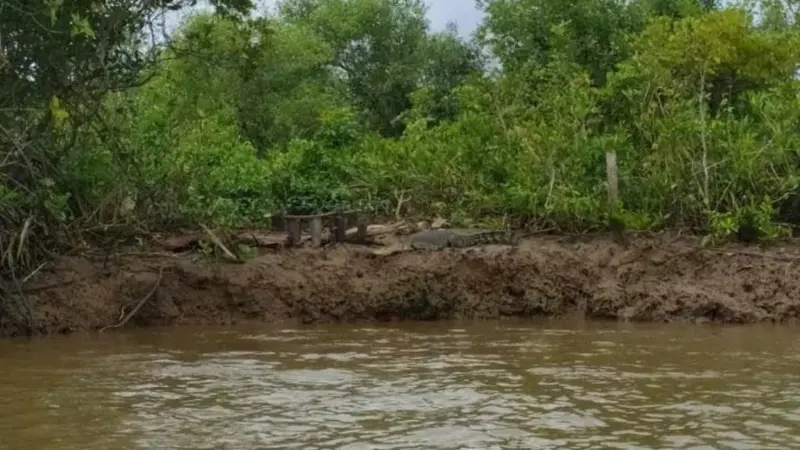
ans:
(459, 238)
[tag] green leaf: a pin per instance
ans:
(80, 26)
(59, 114)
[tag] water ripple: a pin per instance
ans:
(473, 387)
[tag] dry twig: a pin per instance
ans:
(401, 200)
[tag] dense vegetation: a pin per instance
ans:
(106, 125)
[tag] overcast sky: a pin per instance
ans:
(463, 13)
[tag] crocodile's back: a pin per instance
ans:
(430, 239)
(458, 238)
(473, 237)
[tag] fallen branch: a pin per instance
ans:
(138, 305)
(228, 254)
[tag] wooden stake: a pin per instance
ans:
(361, 234)
(293, 228)
(340, 223)
(616, 224)
(278, 223)
(316, 232)
(612, 176)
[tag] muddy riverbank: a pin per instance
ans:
(654, 279)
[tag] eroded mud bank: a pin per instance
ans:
(655, 279)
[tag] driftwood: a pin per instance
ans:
(263, 240)
(373, 231)
(368, 232)
(376, 230)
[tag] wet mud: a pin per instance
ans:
(663, 279)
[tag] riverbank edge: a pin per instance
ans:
(666, 278)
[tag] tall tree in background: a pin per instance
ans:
(383, 52)
(274, 74)
(590, 33)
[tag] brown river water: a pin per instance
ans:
(443, 385)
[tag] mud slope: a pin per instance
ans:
(653, 280)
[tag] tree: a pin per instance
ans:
(449, 63)
(382, 53)
(590, 33)
(273, 74)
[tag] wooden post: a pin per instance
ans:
(278, 223)
(293, 228)
(361, 235)
(612, 176)
(316, 231)
(616, 223)
(340, 225)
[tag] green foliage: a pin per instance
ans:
(701, 116)
(317, 175)
(525, 32)
(695, 101)
(754, 217)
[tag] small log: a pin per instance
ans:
(316, 232)
(260, 239)
(375, 230)
(379, 230)
(293, 228)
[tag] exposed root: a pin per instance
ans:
(138, 305)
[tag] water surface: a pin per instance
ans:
(491, 385)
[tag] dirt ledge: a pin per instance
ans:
(655, 279)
